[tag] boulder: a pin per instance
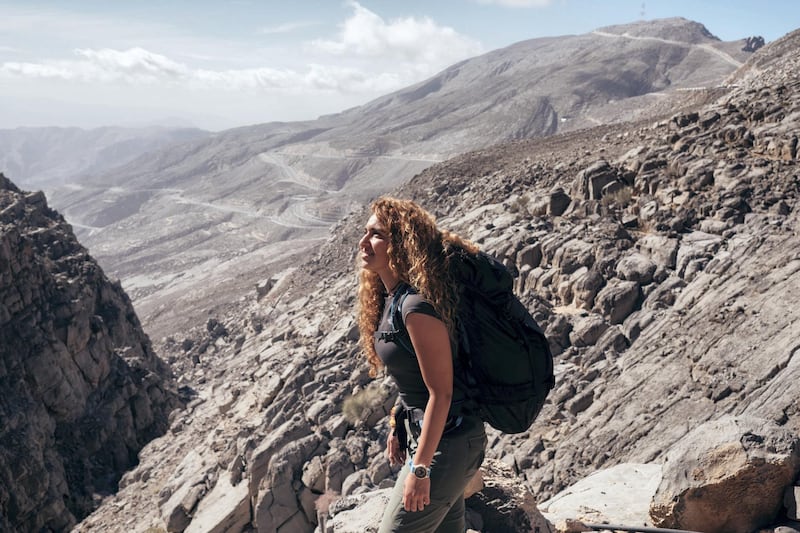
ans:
(585, 286)
(586, 330)
(695, 250)
(530, 256)
(573, 255)
(557, 202)
(636, 267)
(225, 508)
(591, 180)
(505, 503)
(728, 475)
(617, 495)
(357, 514)
(183, 492)
(618, 299)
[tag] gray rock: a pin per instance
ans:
(314, 474)
(585, 286)
(573, 255)
(504, 503)
(353, 482)
(358, 514)
(337, 467)
(620, 494)
(586, 330)
(590, 182)
(696, 249)
(529, 256)
(557, 202)
(618, 299)
(581, 402)
(225, 508)
(660, 249)
(729, 474)
(636, 267)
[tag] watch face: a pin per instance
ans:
(421, 472)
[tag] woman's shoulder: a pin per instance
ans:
(416, 303)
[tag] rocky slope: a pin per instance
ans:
(262, 196)
(661, 255)
(81, 390)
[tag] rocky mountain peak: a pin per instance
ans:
(7, 185)
(81, 389)
(674, 29)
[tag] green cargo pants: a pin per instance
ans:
(458, 457)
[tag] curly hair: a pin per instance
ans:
(419, 254)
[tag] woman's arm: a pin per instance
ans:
(432, 347)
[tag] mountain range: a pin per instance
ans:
(657, 248)
(195, 222)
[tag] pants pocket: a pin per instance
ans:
(476, 446)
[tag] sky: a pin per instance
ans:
(228, 63)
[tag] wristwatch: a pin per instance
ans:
(420, 471)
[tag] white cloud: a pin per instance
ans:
(157, 68)
(141, 67)
(288, 27)
(135, 65)
(406, 39)
(372, 56)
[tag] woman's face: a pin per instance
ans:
(374, 246)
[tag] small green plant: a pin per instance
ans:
(357, 407)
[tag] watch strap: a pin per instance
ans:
(418, 469)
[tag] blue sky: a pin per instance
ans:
(225, 63)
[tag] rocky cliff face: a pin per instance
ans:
(81, 390)
(661, 255)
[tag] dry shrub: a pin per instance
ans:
(357, 407)
(621, 197)
(325, 500)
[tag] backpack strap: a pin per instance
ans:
(397, 329)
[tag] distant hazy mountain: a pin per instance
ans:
(47, 157)
(247, 201)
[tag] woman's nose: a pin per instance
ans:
(362, 243)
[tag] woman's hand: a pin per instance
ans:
(395, 455)
(416, 493)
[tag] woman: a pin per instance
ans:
(402, 251)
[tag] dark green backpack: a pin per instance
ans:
(504, 366)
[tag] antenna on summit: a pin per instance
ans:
(642, 12)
